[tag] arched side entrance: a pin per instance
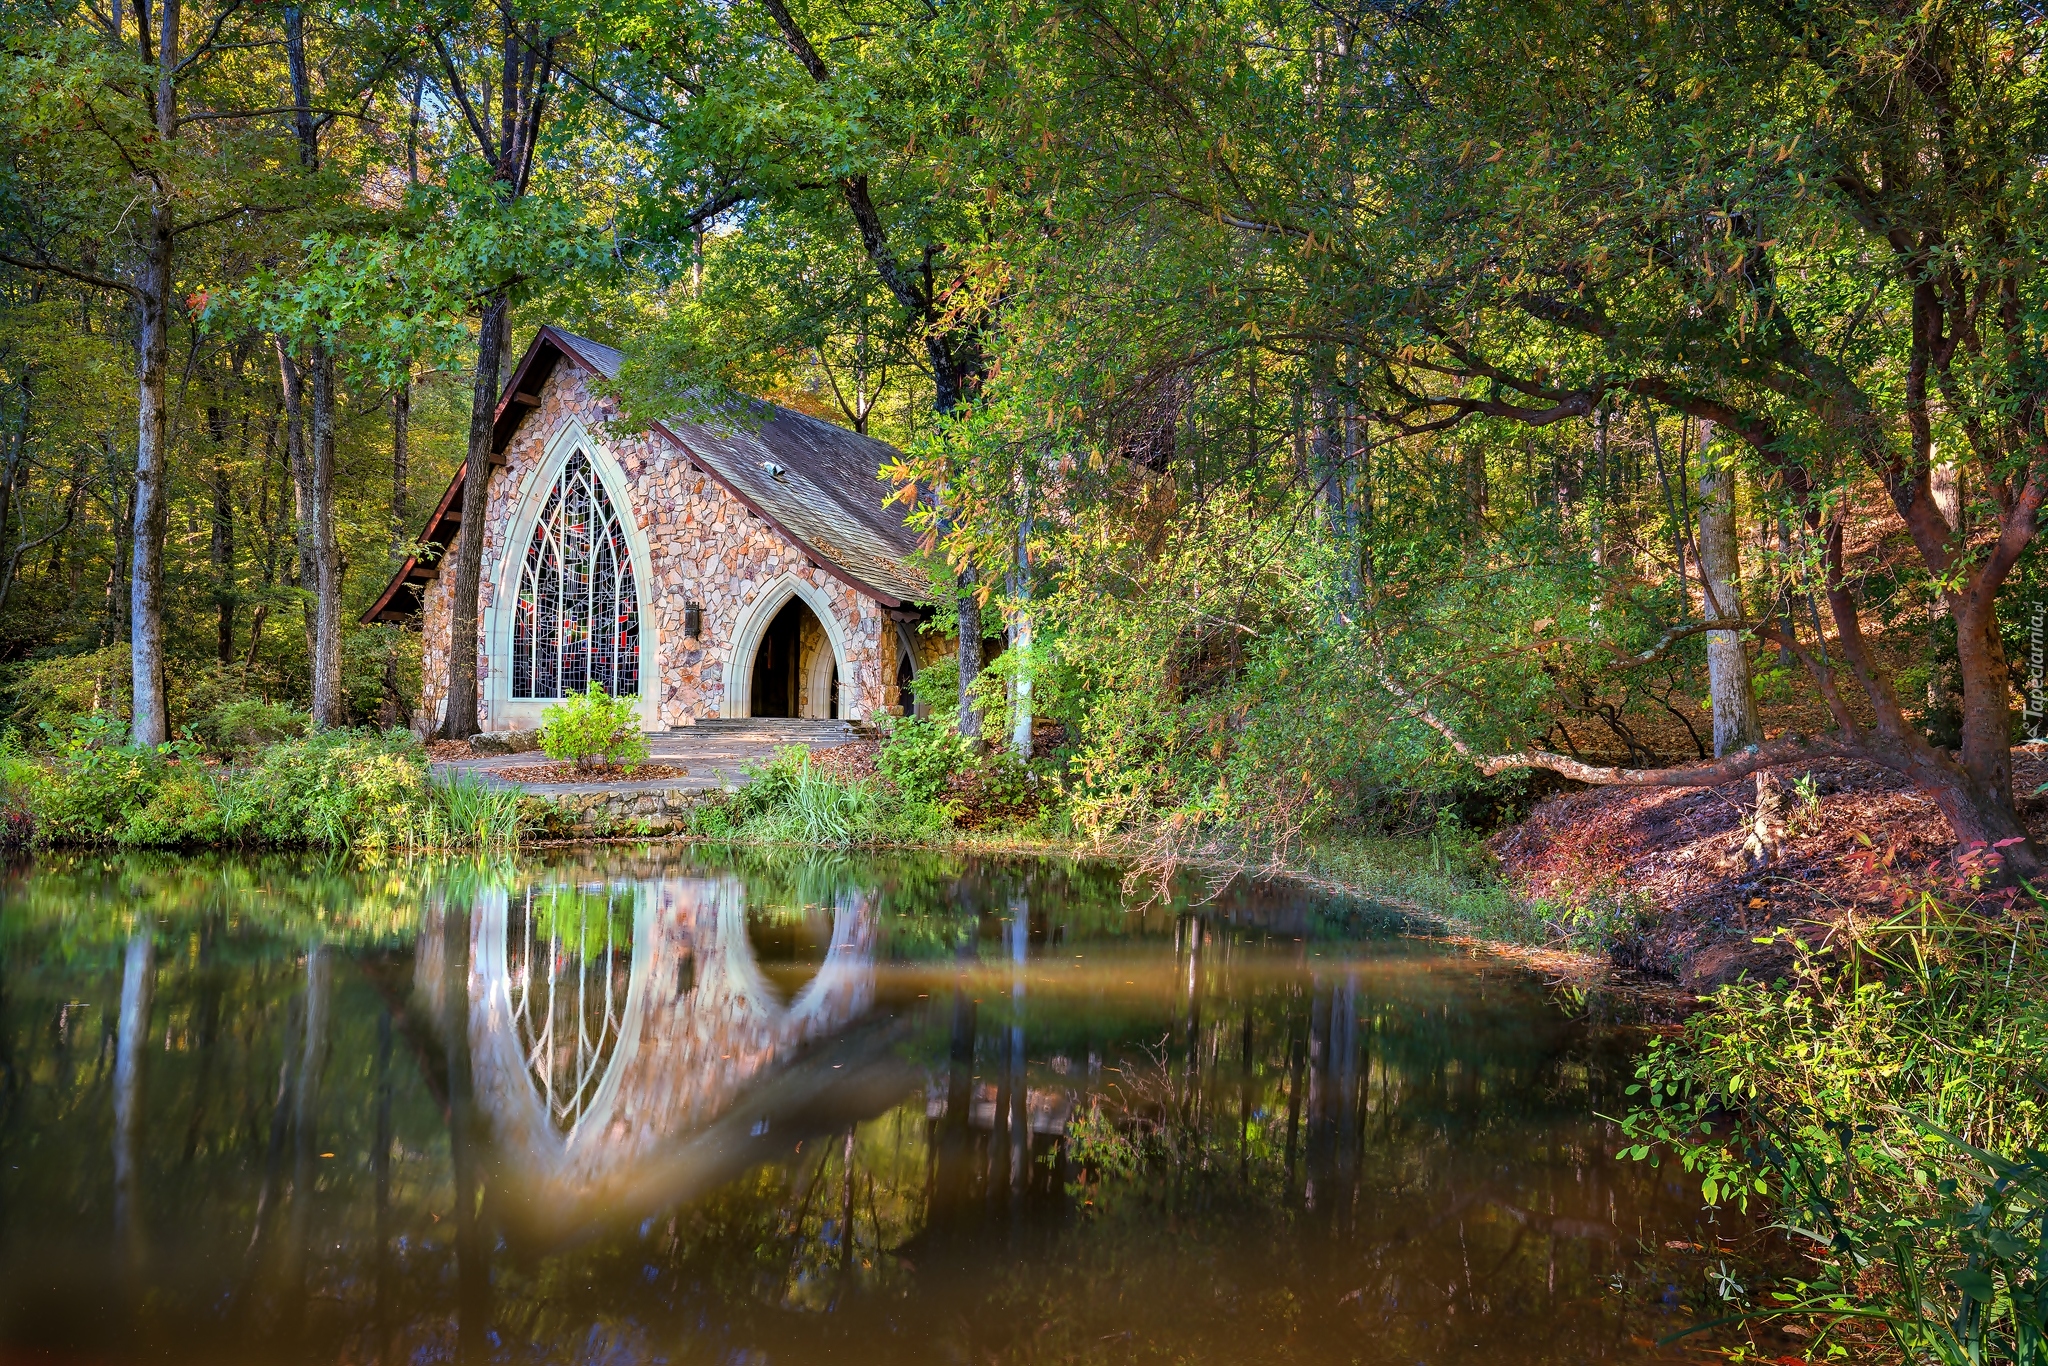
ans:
(906, 671)
(768, 673)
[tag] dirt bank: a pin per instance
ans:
(1690, 881)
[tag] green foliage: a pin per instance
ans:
(594, 730)
(919, 757)
(937, 688)
(1890, 1106)
(476, 813)
(236, 728)
(791, 800)
(341, 789)
(50, 692)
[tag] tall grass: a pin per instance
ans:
(790, 800)
(1893, 1106)
(479, 814)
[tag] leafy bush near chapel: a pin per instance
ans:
(594, 731)
(920, 757)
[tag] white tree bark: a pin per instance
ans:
(1729, 688)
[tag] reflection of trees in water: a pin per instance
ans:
(1324, 1157)
(570, 960)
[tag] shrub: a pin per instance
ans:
(920, 757)
(937, 688)
(353, 789)
(594, 731)
(50, 693)
(233, 729)
(1890, 1104)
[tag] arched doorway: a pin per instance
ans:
(795, 671)
(906, 671)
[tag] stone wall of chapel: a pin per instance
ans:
(704, 546)
(435, 626)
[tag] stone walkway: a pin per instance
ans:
(715, 752)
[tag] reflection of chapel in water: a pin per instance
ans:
(625, 1044)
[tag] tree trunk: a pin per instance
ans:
(292, 384)
(461, 720)
(1020, 642)
(151, 719)
(330, 707)
(1729, 688)
(1943, 692)
(221, 544)
(401, 455)
(970, 658)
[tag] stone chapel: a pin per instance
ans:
(709, 570)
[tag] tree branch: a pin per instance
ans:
(1709, 774)
(81, 276)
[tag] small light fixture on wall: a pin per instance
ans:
(693, 620)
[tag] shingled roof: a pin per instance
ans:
(816, 484)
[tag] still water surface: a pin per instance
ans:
(754, 1109)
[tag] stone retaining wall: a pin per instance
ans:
(606, 814)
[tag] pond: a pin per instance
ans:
(769, 1107)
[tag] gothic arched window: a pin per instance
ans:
(578, 616)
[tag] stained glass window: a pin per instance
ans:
(578, 616)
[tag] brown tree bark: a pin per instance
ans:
(460, 720)
(969, 606)
(401, 458)
(525, 70)
(320, 556)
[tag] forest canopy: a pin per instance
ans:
(1354, 407)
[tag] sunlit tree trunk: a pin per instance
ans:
(330, 706)
(1020, 644)
(151, 718)
(1729, 688)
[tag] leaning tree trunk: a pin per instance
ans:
(1731, 693)
(461, 720)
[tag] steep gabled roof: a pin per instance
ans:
(816, 484)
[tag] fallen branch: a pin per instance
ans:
(1711, 773)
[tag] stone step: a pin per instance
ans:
(769, 727)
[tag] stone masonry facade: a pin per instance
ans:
(704, 547)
